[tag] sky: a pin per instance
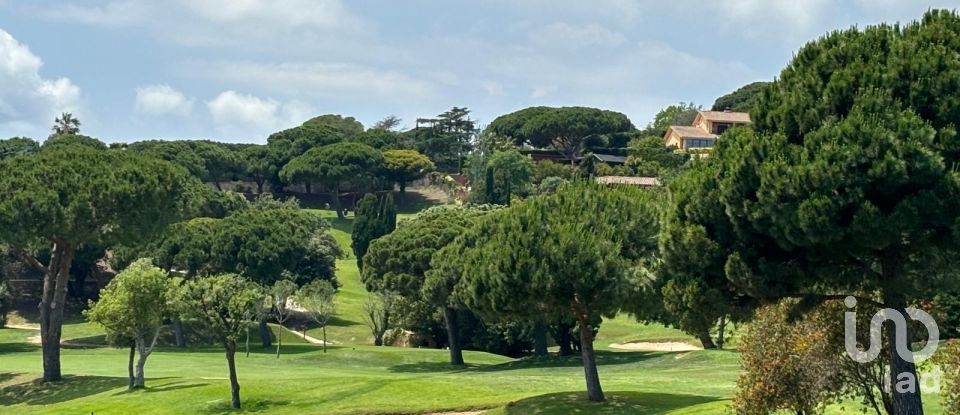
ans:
(237, 70)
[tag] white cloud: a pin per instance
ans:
(28, 101)
(246, 24)
(566, 36)
(162, 100)
(244, 117)
(788, 20)
(313, 79)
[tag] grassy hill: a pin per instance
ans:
(354, 377)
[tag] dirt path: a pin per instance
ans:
(655, 346)
(308, 338)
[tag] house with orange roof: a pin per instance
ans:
(707, 126)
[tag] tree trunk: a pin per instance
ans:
(259, 187)
(231, 349)
(144, 352)
(130, 373)
(705, 340)
(720, 327)
(564, 339)
(308, 187)
(216, 183)
(324, 338)
(141, 361)
(178, 333)
(335, 195)
(906, 398)
(594, 391)
(265, 333)
(453, 335)
(279, 340)
(55, 279)
(248, 340)
(539, 338)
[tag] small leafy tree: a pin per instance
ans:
(280, 294)
(317, 298)
(948, 359)
(788, 364)
(134, 306)
(376, 313)
(224, 304)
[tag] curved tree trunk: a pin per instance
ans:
(279, 340)
(265, 333)
(539, 338)
(594, 391)
(453, 335)
(705, 340)
(231, 349)
(324, 338)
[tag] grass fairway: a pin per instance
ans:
(354, 377)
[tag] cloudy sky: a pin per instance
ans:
(236, 70)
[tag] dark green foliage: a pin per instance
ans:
(209, 161)
(373, 218)
(226, 305)
(679, 114)
(546, 168)
(266, 245)
(573, 254)
(332, 165)
(68, 196)
(567, 129)
(262, 163)
(741, 100)
(404, 166)
(848, 183)
(400, 261)
(218, 204)
(17, 145)
(68, 140)
(446, 138)
(695, 242)
(383, 139)
(649, 158)
(508, 174)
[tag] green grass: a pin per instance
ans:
(354, 377)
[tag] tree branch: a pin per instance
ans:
(29, 259)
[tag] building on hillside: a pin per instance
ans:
(707, 126)
(555, 156)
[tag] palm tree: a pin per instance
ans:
(66, 123)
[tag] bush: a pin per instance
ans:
(948, 358)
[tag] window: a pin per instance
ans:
(720, 127)
(697, 143)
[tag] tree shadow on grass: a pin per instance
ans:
(604, 358)
(246, 406)
(619, 403)
(255, 349)
(18, 348)
(432, 367)
(38, 392)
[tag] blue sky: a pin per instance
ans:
(236, 70)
